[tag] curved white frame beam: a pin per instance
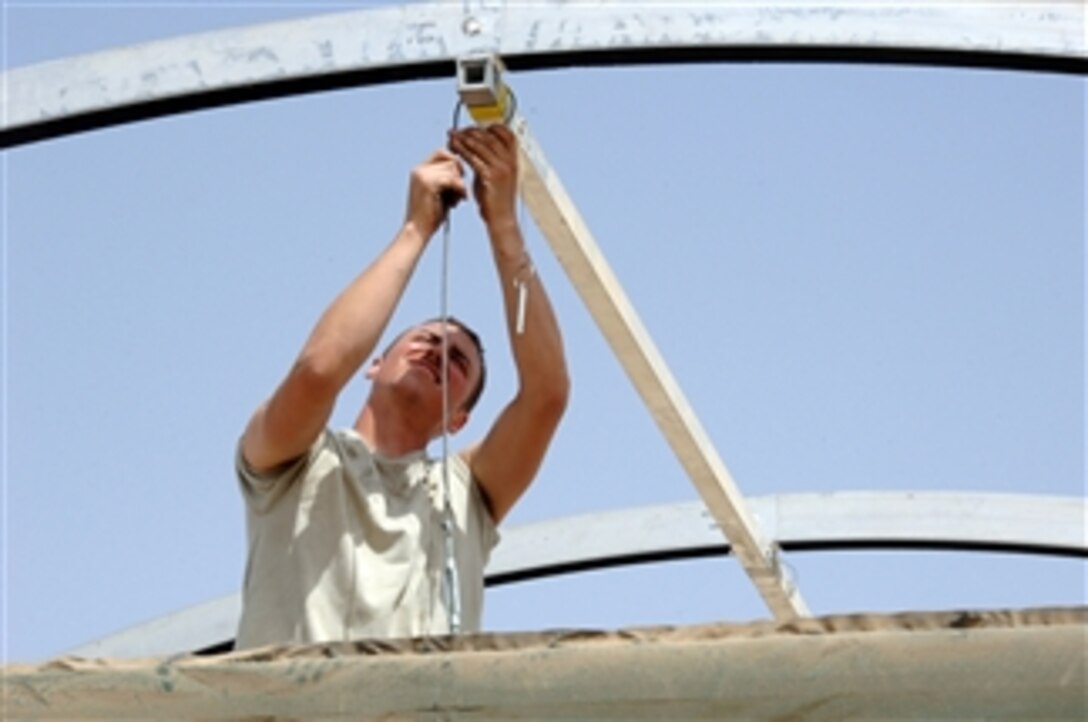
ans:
(1048, 525)
(423, 40)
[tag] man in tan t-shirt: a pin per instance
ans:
(345, 527)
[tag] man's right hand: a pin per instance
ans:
(436, 185)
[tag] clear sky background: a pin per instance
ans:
(863, 278)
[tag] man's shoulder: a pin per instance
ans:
(346, 442)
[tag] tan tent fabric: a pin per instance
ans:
(1027, 664)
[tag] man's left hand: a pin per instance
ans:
(492, 153)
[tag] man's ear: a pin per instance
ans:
(372, 369)
(458, 420)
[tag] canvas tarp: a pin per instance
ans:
(1027, 664)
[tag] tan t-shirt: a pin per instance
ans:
(345, 543)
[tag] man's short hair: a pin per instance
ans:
(477, 390)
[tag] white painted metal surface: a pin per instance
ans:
(855, 520)
(424, 39)
(1011, 522)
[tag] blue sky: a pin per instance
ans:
(862, 277)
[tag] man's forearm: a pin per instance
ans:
(535, 339)
(349, 329)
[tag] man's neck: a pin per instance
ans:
(391, 436)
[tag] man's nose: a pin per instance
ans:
(435, 354)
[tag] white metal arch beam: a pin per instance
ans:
(423, 40)
(798, 522)
(1014, 523)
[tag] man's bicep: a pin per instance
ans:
(285, 426)
(508, 458)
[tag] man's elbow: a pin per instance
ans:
(319, 373)
(552, 395)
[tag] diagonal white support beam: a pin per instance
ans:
(587, 268)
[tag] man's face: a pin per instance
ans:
(413, 365)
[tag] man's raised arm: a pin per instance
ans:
(286, 425)
(508, 457)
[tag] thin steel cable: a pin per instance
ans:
(451, 584)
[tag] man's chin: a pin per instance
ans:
(418, 388)
(425, 372)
